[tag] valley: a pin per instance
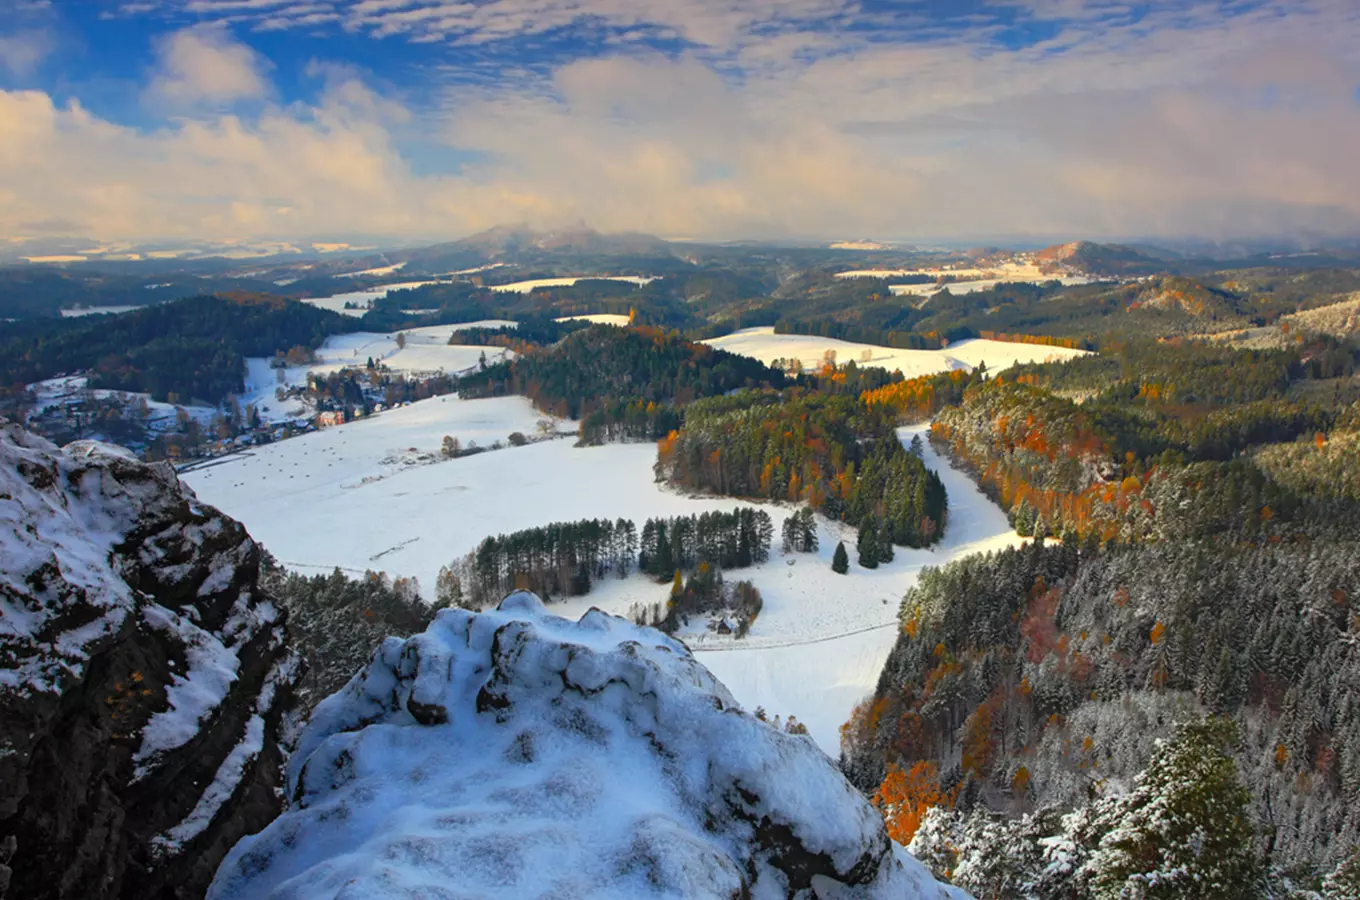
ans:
(343, 498)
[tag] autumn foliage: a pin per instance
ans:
(905, 797)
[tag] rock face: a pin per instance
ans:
(142, 678)
(516, 754)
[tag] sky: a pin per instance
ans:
(411, 120)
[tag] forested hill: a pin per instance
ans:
(191, 349)
(1159, 447)
(1179, 670)
(1037, 679)
(628, 382)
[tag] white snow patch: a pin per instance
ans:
(219, 790)
(193, 695)
(380, 270)
(524, 287)
(336, 302)
(598, 319)
(233, 768)
(763, 344)
(68, 530)
(427, 352)
(82, 311)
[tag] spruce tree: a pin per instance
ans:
(840, 560)
(807, 524)
(1185, 829)
(885, 544)
(866, 544)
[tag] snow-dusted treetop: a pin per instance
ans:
(516, 754)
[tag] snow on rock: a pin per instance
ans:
(140, 674)
(516, 754)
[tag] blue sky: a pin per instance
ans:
(429, 119)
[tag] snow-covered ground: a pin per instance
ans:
(986, 284)
(66, 390)
(427, 351)
(358, 496)
(524, 287)
(763, 344)
(381, 270)
(336, 302)
(598, 319)
(513, 754)
(97, 310)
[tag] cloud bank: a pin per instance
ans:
(722, 119)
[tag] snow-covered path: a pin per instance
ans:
(375, 494)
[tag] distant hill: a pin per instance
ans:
(524, 246)
(1089, 258)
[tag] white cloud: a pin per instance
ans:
(204, 64)
(23, 51)
(1186, 121)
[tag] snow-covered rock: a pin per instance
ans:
(141, 676)
(516, 754)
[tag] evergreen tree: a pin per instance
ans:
(800, 532)
(885, 543)
(1343, 882)
(1184, 831)
(866, 544)
(840, 560)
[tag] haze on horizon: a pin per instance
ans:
(715, 119)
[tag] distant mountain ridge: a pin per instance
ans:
(517, 244)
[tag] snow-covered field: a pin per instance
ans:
(427, 351)
(336, 302)
(96, 311)
(371, 494)
(763, 344)
(67, 390)
(524, 287)
(973, 287)
(381, 270)
(598, 319)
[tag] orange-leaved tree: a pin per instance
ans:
(905, 797)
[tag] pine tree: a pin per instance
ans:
(789, 534)
(807, 525)
(885, 544)
(866, 544)
(1185, 830)
(840, 560)
(1343, 881)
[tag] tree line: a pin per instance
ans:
(564, 559)
(726, 540)
(625, 381)
(834, 452)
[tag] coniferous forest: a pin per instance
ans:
(1171, 660)
(191, 349)
(565, 558)
(623, 383)
(837, 453)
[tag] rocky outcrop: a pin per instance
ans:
(142, 678)
(515, 754)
